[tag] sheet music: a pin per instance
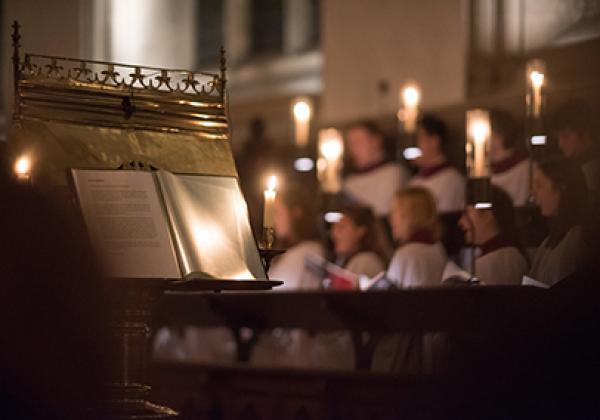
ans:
(126, 222)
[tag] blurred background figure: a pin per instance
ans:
(376, 178)
(573, 126)
(359, 242)
(436, 174)
(559, 189)
(420, 258)
(296, 231)
(441, 179)
(500, 257)
(510, 167)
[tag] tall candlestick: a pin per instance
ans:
(270, 195)
(535, 79)
(302, 112)
(478, 135)
(329, 165)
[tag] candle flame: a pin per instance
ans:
(302, 111)
(272, 183)
(480, 131)
(23, 166)
(537, 79)
(411, 96)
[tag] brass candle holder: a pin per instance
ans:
(268, 237)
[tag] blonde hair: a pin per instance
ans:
(420, 209)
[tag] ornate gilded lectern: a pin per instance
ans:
(97, 116)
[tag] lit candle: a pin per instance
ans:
(270, 195)
(329, 165)
(22, 168)
(479, 131)
(302, 111)
(410, 97)
(535, 78)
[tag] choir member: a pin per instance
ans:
(420, 259)
(358, 242)
(560, 192)
(296, 231)
(500, 259)
(510, 167)
(436, 174)
(375, 178)
(573, 126)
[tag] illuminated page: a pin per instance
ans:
(210, 224)
(127, 223)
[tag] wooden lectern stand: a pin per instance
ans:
(73, 113)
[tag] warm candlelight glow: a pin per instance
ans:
(270, 195)
(329, 164)
(536, 78)
(302, 113)
(478, 136)
(331, 148)
(410, 97)
(272, 183)
(22, 168)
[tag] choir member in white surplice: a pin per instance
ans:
(436, 174)
(420, 258)
(375, 178)
(359, 242)
(572, 124)
(500, 257)
(560, 192)
(510, 167)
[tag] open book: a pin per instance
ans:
(163, 225)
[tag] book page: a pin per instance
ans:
(212, 233)
(126, 222)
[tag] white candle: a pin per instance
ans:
(537, 80)
(479, 131)
(410, 96)
(270, 195)
(302, 113)
(331, 151)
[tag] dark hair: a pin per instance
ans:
(375, 238)
(568, 177)
(506, 218)
(504, 124)
(576, 115)
(371, 127)
(298, 199)
(436, 127)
